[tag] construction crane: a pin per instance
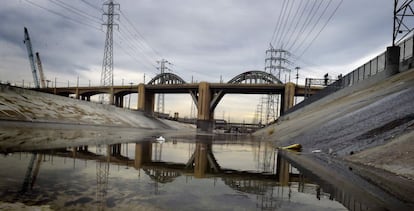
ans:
(31, 57)
(40, 68)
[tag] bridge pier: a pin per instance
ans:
(282, 170)
(143, 154)
(205, 116)
(111, 96)
(288, 97)
(77, 96)
(200, 160)
(115, 149)
(146, 101)
(119, 101)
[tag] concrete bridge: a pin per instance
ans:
(206, 95)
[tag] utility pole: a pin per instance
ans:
(107, 74)
(160, 98)
(297, 80)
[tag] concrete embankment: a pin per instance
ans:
(30, 120)
(369, 127)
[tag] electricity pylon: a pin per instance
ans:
(107, 75)
(160, 98)
(275, 64)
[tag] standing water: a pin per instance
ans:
(203, 174)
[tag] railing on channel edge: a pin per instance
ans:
(363, 72)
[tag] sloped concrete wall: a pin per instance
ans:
(27, 105)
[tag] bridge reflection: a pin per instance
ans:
(201, 164)
(272, 185)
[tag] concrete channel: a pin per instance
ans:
(358, 139)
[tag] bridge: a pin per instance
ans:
(206, 96)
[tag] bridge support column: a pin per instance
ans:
(119, 101)
(143, 154)
(77, 95)
(288, 98)
(111, 96)
(205, 116)
(392, 60)
(115, 149)
(146, 101)
(282, 170)
(200, 160)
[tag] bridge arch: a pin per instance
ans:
(166, 78)
(255, 77)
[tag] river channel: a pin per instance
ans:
(208, 173)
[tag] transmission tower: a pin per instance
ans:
(107, 75)
(102, 174)
(275, 64)
(258, 115)
(403, 20)
(160, 98)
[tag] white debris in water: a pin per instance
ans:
(316, 151)
(160, 139)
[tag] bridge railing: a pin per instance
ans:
(58, 83)
(363, 72)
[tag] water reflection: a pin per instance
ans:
(205, 174)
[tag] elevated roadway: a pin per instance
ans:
(205, 95)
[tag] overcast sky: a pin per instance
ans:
(204, 40)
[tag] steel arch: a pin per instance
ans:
(166, 78)
(255, 77)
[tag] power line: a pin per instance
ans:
(303, 27)
(314, 25)
(134, 40)
(282, 34)
(279, 30)
(142, 37)
(135, 50)
(276, 30)
(298, 20)
(326, 23)
(134, 58)
(132, 44)
(76, 11)
(91, 5)
(62, 15)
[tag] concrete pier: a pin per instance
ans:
(146, 100)
(289, 96)
(392, 60)
(143, 154)
(205, 116)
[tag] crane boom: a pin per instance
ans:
(40, 68)
(31, 57)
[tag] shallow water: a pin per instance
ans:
(203, 174)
